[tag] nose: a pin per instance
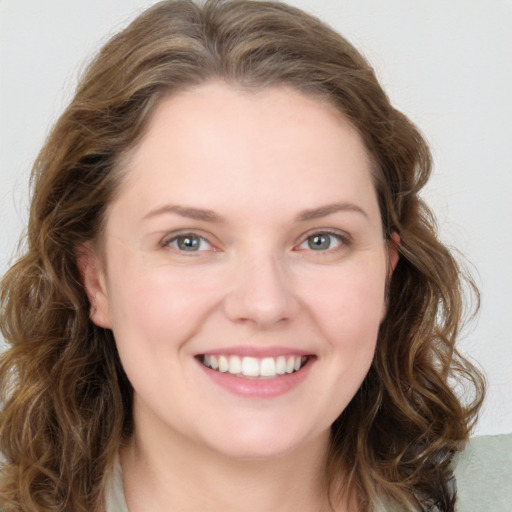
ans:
(262, 293)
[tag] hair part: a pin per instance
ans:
(66, 401)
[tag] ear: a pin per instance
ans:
(393, 245)
(92, 275)
(393, 257)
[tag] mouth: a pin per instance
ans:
(254, 367)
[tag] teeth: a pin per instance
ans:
(254, 367)
(235, 365)
(268, 367)
(250, 367)
(280, 365)
(223, 364)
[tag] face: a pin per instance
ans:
(243, 270)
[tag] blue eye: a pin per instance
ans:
(322, 241)
(189, 242)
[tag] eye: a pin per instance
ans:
(322, 241)
(188, 242)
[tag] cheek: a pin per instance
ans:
(159, 305)
(154, 316)
(348, 306)
(351, 317)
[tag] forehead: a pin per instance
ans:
(225, 146)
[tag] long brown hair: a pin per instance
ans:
(66, 402)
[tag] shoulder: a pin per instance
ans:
(483, 475)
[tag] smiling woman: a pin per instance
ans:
(232, 297)
(273, 283)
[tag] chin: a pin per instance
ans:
(263, 443)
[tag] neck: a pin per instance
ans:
(174, 474)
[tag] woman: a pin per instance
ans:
(232, 296)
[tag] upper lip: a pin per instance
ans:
(255, 351)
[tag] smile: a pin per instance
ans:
(254, 367)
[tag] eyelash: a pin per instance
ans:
(342, 238)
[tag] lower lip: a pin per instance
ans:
(259, 388)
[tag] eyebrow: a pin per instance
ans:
(324, 211)
(211, 216)
(186, 211)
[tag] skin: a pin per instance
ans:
(258, 160)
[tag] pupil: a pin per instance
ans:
(188, 243)
(317, 242)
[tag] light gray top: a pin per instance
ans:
(484, 477)
(115, 495)
(483, 474)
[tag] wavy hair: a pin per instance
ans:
(65, 399)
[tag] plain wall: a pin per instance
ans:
(446, 64)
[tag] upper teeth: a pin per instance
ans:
(253, 366)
